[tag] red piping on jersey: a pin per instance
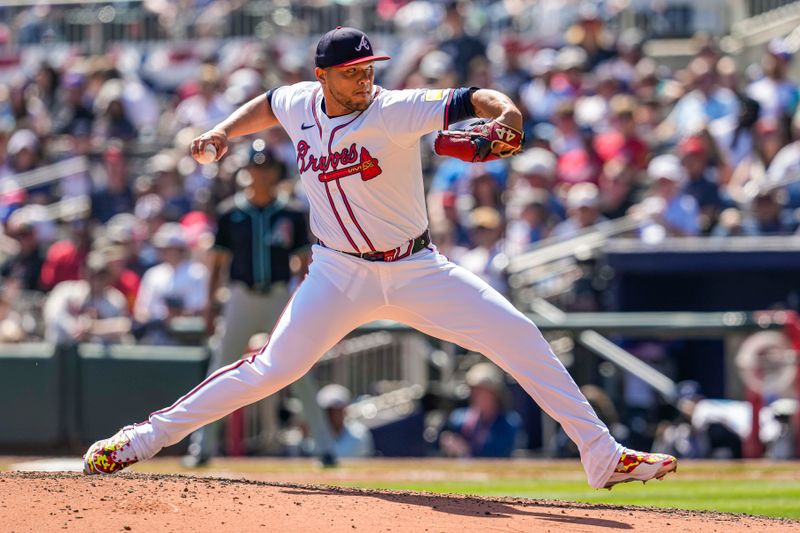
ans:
(223, 370)
(353, 216)
(327, 190)
(335, 212)
(338, 184)
(447, 110)
(314, 111)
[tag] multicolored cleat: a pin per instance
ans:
(641, 466)
(109, 455)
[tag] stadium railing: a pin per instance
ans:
(95, 24)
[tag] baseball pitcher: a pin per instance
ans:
(358, 153)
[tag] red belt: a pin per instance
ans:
(411, 247)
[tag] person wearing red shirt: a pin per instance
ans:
(65, 258)
(621, 141)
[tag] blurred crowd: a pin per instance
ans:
(112, 248)
(107, 221)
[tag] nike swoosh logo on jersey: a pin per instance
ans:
(304, 127)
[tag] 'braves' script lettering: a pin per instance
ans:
(327, 167)
(307, 161)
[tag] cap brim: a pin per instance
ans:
(361, 60)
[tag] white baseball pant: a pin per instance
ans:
(425, 291)
(245, 314)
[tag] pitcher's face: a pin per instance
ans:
(347, 88)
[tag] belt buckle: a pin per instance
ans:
(390, 256)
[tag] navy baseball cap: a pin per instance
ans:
(342, 47)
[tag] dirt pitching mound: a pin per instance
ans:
(172, 503)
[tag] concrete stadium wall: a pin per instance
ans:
(67, 397)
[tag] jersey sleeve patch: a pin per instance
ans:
(434, 95)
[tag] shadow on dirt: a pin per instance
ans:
(467, 506)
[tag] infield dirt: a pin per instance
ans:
(36, 502)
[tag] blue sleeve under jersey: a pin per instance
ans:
(460, 107)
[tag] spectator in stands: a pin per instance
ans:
(459, 44)
(731, 223)
(570, 82)
(27, 110)
(512, 74)
(777, 94)
(150, 210)
(125, 280)
(785, 167)
(621, 142)
(72, 110)
(65, 259)
(436, 70)
(452, 234)
(116, 195)
(169, 185)
(486, 427)
(127, 231)
(535, 169)
(45, 86)
(485, 258)
(667, 210)
(702, 179)
(568, 135)
(207, 108)
(78, 184)
(766, 214)
(736, 138)
(24, 267)
(630, 50)
(623, 155)
(593, 110)
(705, 101)
(87, 310)
(583, 210)
(538, 98)
(351, 437)
(451, 196)
(751, 173)
(589, 34)
(111, 120)
(530, 220)
(174, 288)
(704, 428)
(484, 191)
(24, 151)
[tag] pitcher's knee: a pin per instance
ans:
(281, 371)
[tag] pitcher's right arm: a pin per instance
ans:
(252, 117)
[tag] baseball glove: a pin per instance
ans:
(484, 140)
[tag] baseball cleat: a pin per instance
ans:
(109, 455)
(641, 466)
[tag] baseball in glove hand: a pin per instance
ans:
(480, 141)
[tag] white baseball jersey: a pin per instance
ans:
(362, 171)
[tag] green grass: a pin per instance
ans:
(769, 498)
